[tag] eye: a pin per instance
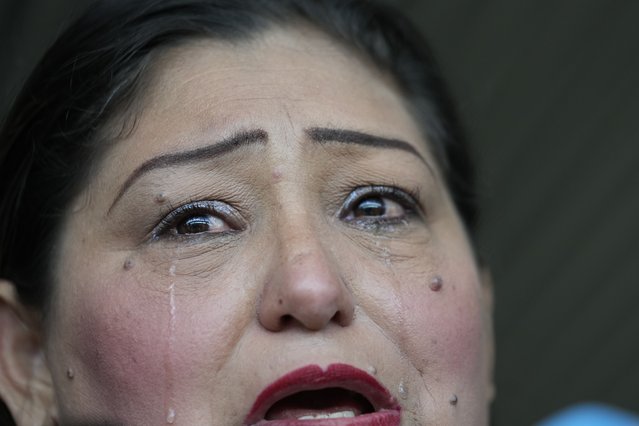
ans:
(201, 223)
(378, 204)
(377, 207)
(199, 218)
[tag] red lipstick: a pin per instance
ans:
(338, 396)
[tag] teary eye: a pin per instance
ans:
(378, 204)
(198, 218)
(378, 207)
(201, 223)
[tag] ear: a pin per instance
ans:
(25, 381)
(488, 330)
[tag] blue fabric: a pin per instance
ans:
(591, 415)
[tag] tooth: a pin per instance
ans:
(336, 415)
(341, 415)
(313, 417)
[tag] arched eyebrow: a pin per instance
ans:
(327, 135)
(258, 136)
(226, 146)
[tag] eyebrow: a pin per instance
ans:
(225, 146)
(258, 136)
(326, 135)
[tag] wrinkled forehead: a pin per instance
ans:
(296, 77)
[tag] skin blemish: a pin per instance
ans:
(453, 400)
(420, 371)
(436, 283)
(160, 198)
(172, 271)
(372, 370)
(70, 373)
(128, 264)
(277, 175)
(299, 258)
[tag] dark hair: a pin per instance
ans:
(55, 130)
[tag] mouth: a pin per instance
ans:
(338, 396)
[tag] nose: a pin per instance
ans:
(306, 289)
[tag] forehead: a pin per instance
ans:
(297, 76)
(283, 81)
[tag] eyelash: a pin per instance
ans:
(407, 200)
(167, 227)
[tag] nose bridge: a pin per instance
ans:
(300, 240)
(305, 286)
(298, 228)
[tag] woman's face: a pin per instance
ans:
(275, 225)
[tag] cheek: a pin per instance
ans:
(139, 349)
(118, 344)
(207, 329)
(443, 328)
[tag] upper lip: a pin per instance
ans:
(313, 377)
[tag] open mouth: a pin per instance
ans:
(338, 396)
(329, 403)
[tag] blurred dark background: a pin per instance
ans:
(549, 93)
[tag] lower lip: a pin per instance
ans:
(313, 377)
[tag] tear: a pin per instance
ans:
(170, 416)
(403, 392)
(168, 355)
(386, 255)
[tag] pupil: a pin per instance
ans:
(194, 225)
(371, 207)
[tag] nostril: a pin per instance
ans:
(286, 320)
(342, 318)
(305, 290)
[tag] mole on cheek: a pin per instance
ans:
(436, 283)
(453, 400)
(128, 264)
